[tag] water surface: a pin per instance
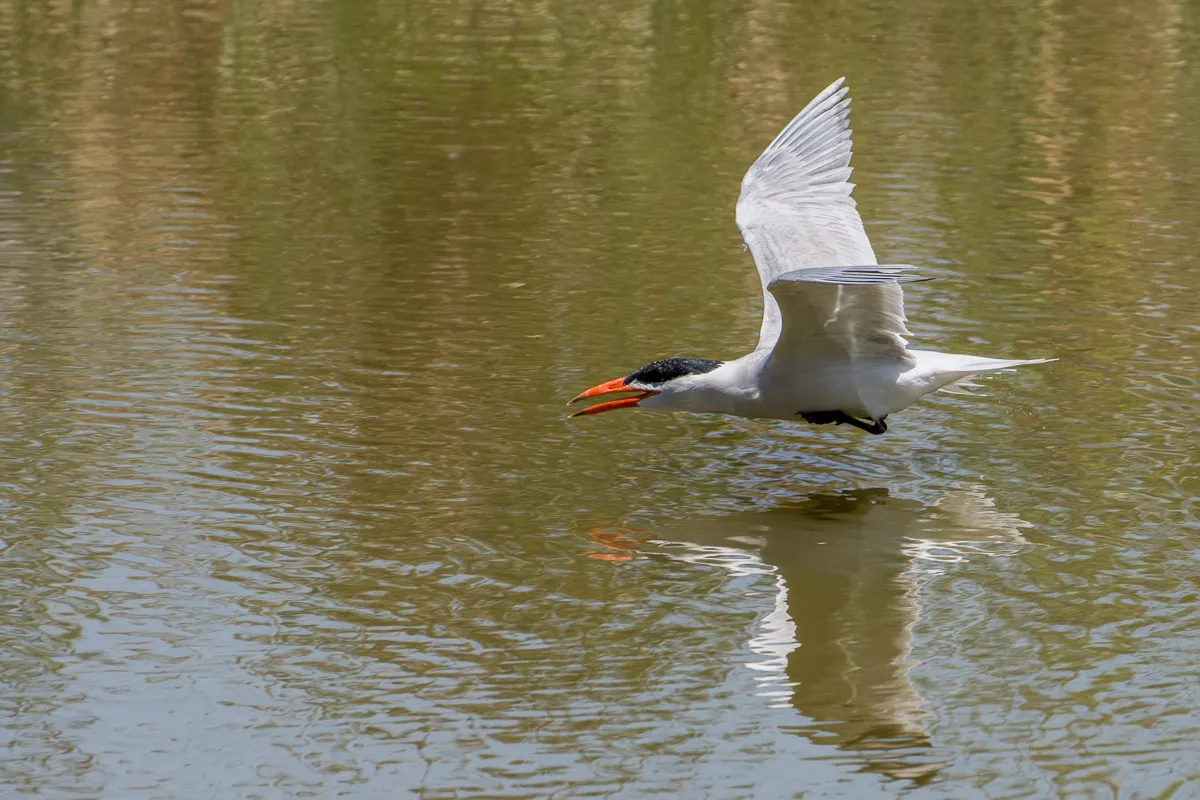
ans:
(291, 295)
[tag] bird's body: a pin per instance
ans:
(753, 386)
(832, 345)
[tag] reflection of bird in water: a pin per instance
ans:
(832, 346)
(836, 643)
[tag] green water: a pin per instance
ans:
(292, 295)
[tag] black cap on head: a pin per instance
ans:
(660, 372)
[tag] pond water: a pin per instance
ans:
(292, 294)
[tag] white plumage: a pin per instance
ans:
(833, 342)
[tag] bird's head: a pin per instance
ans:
(669, 378)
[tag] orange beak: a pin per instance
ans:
(612, 387)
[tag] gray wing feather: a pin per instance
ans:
(820, 278)
(873, 275)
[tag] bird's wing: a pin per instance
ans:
(842, 314)
(796, 214)
(848, 319)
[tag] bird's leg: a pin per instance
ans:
(879, 426)
(838, 417)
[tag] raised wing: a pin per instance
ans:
(795, 213)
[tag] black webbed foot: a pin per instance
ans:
(879, 426)
(838, 417)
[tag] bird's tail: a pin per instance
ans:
(950, 370)
(976, 364)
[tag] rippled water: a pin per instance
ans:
(292, 294)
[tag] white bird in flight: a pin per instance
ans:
(832, 345)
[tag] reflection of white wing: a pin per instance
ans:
(844, 575)
(775, 639)
(775, 634)
(965, 523)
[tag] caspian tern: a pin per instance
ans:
(832, 345)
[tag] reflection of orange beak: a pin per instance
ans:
(612, 387)
(614, 539)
